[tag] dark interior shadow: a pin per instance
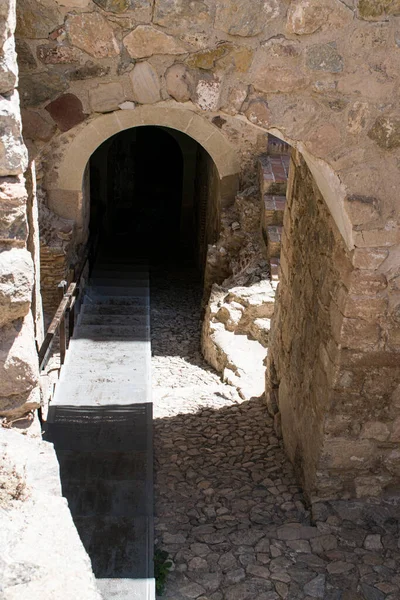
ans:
(105, 458)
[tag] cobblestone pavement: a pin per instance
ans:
(228, 509)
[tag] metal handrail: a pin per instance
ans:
(65, 312)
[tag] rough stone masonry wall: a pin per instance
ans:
(18, 356)
(338, 402)
(322, 74)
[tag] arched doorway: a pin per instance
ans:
(154, 194)
(136, 185)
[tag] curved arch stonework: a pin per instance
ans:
(90, 136)
(321, 74)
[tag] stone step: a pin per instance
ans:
(132, 333)
(273, 173)
(277, 146)
(118, 282)
(110, 291)
(272, 211)
(129, 320)
(114, 310)
(94, 297)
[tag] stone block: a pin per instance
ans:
(308, 16)
(56, 54)
(8, 66)
(245, 18)
(386, 132)
(208, 92)
(13, 154)
(272, 79)
(106, 97)
(16, 281)
(114, 6)
(367, 283)
(66, 111)
(26, 60)
(13, 220)
(93, 34)
(377, 10)
(182, 14)
(36, 127)
(258, 113)
(146, 84)
(19, 367)
(87, 71)
(37, 19)
(180, 83)
(145, 41)
(363, 307)
(35, 90)
(375, 430)
(352, 455)
(369, 258)
(324, 57)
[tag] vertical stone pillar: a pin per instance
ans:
(19, 372)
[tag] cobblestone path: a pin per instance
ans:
(228, 509)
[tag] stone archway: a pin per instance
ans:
(65, 182)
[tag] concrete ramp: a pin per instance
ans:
(100, 422)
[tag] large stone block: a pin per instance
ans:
(8, 66)
(93, 34)
(16, 281)
(386, 132)
(272, 78)
(36, 127)
(324, 57)
(145, 41)
(26, 60)
(56, 54)
(37, 19)
(180, 84)
(146, 84)
(245, 18)
(66, 111)
(115, 6)
(378, 10)
(106, 97)
(19, 367)
(308, 16)
(13, 154)
(13, 220)
(182, 14)
(35, 90)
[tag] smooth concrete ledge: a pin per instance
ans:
(135, 589)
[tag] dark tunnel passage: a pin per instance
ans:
(154, 195)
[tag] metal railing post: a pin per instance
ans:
(62, 286)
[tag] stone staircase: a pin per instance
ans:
(100, 422)
(273, 175)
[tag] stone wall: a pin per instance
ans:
(320, 74)
(328, 384)
(18, 358)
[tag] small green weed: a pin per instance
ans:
(162, 567)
